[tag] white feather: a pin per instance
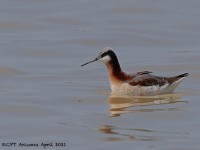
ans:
(126, 89)
(105, 59)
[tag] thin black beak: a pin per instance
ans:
(90, 62)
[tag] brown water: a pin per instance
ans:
(47, 97)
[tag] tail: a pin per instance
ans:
(177, 78)
(182, 75)
(175, 81)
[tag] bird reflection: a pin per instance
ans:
(120, 105)
(120, 134)
(107, 129)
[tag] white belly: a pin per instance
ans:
(127, 89)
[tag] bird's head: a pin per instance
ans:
(105, 56)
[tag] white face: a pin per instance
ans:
(105, 59)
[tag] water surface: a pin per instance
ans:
(47, 97)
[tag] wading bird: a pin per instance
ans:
(136, 84)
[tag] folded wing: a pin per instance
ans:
(145, 79)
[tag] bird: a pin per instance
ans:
(142, 83)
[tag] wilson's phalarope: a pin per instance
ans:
(137, 84)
